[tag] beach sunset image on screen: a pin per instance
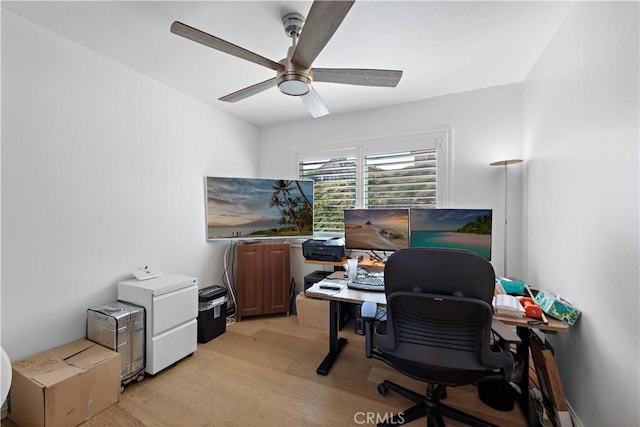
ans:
(376, 229)
(467, 229)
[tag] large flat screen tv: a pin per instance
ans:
(258, 208)
(467, 229)
(376, 229)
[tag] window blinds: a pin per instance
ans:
(334, 190)
(401, 179)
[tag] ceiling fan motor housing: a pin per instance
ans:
(293, 80)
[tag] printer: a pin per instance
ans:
(324, 250)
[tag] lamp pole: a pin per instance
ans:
(505, 163)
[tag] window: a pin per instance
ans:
(402, 179)
(334, 190)
(396, 173)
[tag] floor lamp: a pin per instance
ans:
(505, 163)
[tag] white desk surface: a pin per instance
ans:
(345, 293)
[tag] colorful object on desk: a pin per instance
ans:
(511, 286)
(531, 309)
(557, 307)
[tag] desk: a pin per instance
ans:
(335, 297)
(367, 263)
(345, 294)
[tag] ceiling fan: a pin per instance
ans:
(294, 74)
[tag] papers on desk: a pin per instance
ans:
(507, 305)
(325, 288)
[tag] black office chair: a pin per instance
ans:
(438, 329)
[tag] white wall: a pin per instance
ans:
(102, 173)
(486, 126)
(581, 145)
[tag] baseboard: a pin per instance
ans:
(574, 417)
(5, 410)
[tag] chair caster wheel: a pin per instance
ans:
(383, 389)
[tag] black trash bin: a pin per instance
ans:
(497, 394)
(212, 312)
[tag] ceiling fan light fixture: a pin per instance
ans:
(294, 87)
(294, 82)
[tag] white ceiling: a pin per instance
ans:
(442, 47)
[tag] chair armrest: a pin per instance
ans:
(500, 356)
(368, 314)
(505, 333)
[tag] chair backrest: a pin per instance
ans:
(440, 271)
(439, 308)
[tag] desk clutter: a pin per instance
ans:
(513, 298)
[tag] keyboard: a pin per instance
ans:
(367, 283)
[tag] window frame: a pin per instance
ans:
(440, 140)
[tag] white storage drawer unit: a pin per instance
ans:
(171, 304)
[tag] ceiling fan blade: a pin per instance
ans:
(357, 76)
(322, 22)
(315, 104)
(223, 46)
(249, 91)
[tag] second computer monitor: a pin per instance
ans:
(467, 229)
(376, 229)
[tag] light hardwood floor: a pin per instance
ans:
(262, 372)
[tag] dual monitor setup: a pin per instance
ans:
(393, 229)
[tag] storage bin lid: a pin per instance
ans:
(118, 309)
(211, 292)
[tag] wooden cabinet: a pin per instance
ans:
(263, 278)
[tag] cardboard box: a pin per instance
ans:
(553, 396)
(64, 386)
(312, 312)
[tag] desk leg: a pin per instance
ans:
(335, 343)
(523, 352)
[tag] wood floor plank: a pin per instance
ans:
(262, 372)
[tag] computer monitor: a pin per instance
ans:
(376, 229)
(258, 208)
(468, 229)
